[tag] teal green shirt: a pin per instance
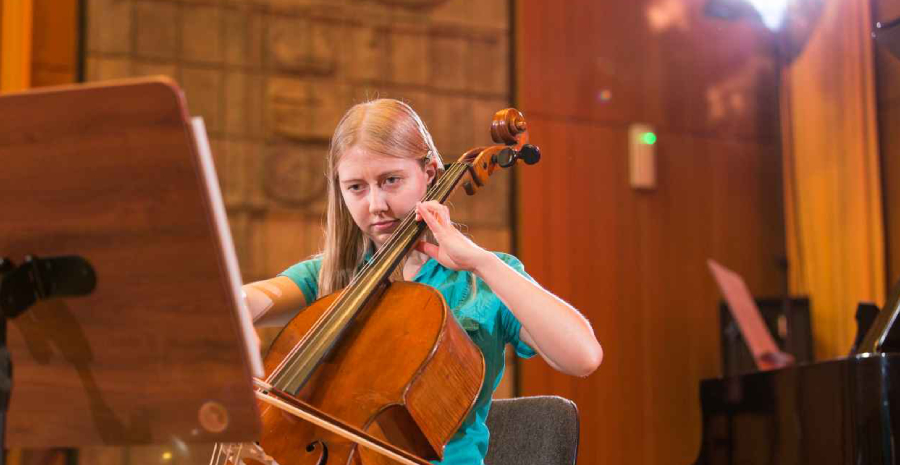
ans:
(488, 322)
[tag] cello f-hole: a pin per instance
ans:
(323, 455)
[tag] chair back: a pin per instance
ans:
(539, 430)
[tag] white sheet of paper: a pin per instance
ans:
(231, 262)
(746, 313)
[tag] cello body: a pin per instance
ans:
(405, 372)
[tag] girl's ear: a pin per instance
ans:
(431, 170)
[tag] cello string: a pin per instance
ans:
(214, 458)
(448, 181)
(433, 193)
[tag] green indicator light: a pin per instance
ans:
(648, 138)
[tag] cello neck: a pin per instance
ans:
(295, 370)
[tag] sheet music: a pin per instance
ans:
(760, 342)
(231, 262)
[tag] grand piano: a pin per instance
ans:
(842, 411)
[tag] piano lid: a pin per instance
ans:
(882, 337)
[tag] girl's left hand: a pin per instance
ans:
(454, 250)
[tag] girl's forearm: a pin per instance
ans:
(558, 331)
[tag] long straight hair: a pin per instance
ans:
(385, 127)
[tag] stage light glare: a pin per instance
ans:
(771, 12)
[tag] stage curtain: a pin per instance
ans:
(832, 188)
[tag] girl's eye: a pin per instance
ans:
(353, 187)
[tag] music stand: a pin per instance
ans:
(763, 348)
(161, 349)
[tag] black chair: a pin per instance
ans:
(540, 430)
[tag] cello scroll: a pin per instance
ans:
(509, 128)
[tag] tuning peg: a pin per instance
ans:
(506, 157)
(530, 154)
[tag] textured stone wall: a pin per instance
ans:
(271, 78)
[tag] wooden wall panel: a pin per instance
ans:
(634, 262)
(55, 55)
(615, 64)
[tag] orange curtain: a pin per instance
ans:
(832, 187)
(15, 44)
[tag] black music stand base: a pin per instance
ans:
(20, 288)
(5, 387)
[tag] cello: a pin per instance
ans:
(334, 378)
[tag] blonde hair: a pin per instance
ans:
(385, 127)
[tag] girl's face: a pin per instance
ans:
(380, 190)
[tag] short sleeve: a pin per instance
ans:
(306, 276)
(509, 323)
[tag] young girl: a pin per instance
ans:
(381, 162)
